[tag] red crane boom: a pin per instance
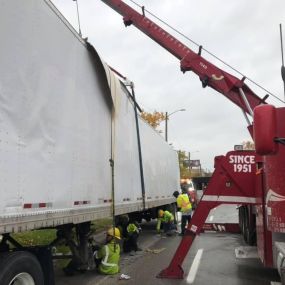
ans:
(226, 186)
(210, 75)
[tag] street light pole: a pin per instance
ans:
(166, 121)
(166, 126)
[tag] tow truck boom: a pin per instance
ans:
(210, 75)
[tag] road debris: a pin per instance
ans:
(155, 251)
(124, 277)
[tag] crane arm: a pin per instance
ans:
(210, 75)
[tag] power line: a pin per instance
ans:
(207, 51)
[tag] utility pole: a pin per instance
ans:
(166, 126)
(78, 19)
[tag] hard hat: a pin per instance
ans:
(160, 213)
(175, 194)
(114, 232)
(184, 189)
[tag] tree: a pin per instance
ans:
(184, 167)
(248, 145)
(154, 119)
(186, 171)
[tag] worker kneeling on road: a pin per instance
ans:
(185, 207)
(108, 256)
(130, 230)
(166, 220)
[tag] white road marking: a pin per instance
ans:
(211, 218)
(194, 267)
(275, 283)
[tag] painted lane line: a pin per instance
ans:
(275, 283)
(194, 267)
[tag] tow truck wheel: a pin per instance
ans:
(20, 268)
(249, 231)
(245, 231)
(241, 219)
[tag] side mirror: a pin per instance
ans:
(264, 129)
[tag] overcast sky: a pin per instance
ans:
(243, 33)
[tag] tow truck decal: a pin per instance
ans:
(242, 163)
(217, 78)
(274, 197)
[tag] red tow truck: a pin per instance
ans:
(254, 180)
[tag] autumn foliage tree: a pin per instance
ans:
(154, 119)
(184, 169)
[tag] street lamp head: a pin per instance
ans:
(180, 110)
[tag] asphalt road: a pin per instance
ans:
(211, 260)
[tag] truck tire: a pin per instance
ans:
(241, 219)
(246, 229)
(249, 231)
(21, 268)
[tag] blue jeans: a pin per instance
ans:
(168, 227)
(185, 219)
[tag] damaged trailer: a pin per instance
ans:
(67, 126)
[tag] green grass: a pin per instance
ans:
(37, 237)
(46, 236)
(101, 225)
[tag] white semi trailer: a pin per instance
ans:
(65, 119)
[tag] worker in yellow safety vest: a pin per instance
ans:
(130, 230)
(166, 220)
(108, 256)
(185, 207)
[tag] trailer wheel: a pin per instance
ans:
(20, 268)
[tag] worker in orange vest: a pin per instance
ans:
(185, 207)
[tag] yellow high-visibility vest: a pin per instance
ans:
(183, 203)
